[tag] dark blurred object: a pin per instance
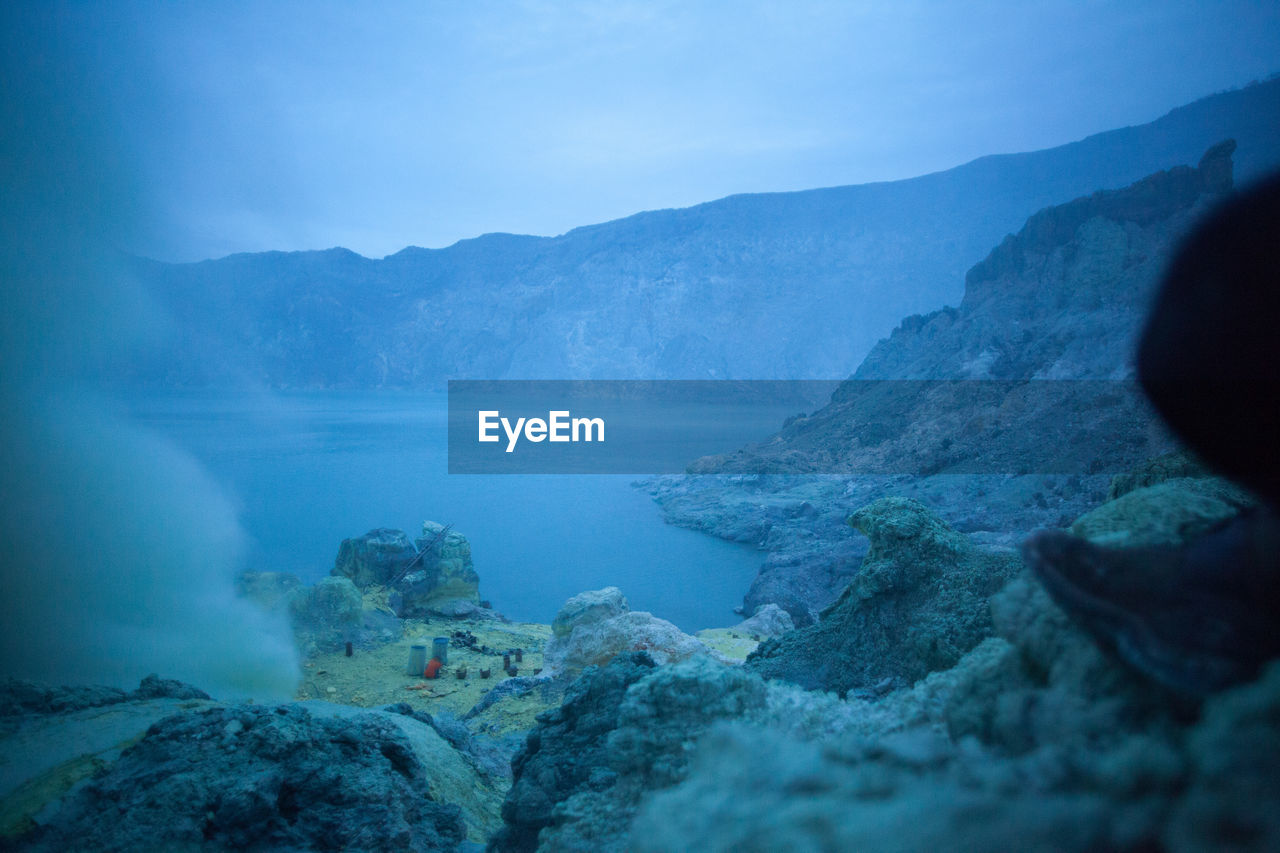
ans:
(1202, 616)
(1195, 618)
(1209, 358)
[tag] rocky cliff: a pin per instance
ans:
(1063, 299)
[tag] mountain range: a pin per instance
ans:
(778, 285)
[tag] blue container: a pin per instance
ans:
(417, 660)
(440, 649)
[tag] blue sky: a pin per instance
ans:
(253, 126)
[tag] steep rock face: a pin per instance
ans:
(917, 605)
(1062, 300)
(788, 285)
(1150, 200)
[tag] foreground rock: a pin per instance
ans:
(917, 605)
(1034, 740)
(624, 730)
(296, 777)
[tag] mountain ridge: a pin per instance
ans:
(773, 285)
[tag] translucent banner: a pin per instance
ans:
(825, 427)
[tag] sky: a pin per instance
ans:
(253, 126)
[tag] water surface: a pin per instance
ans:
(310, 469)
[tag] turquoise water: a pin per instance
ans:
(310, 469)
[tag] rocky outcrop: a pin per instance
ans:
(588, 608)
(1171, 511)
(249, 777)
(442, 580)
(1152, 472)
(431, 575)
(594, 627)
(324, 616)
(377, 557)
(327, 614)
(917, 605)
(769, 620)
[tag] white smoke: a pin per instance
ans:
(117, 550)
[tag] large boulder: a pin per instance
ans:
(443, 579)
(917, 604)
(585, 608)
(378, 557)
(769, 620)
(625, 730)
(251, 777)
(594, 627)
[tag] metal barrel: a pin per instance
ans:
(440, 649)
(417, 660)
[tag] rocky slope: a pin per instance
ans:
(786, 285)
(1063, 299)
(1003, 726)
(1032, 739)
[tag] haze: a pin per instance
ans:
(309, 125)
